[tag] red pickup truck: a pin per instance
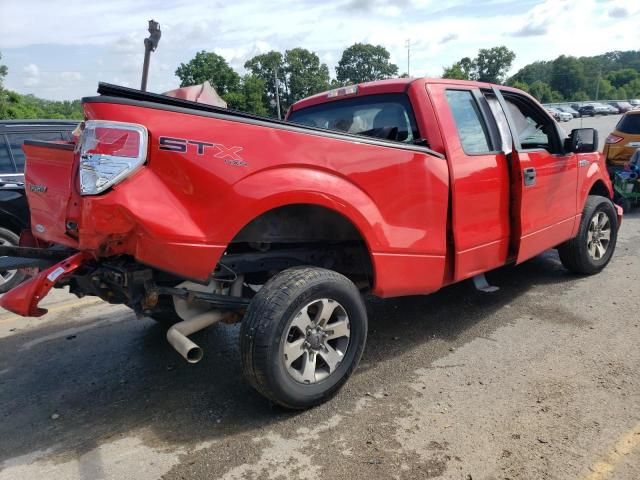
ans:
(193, 214)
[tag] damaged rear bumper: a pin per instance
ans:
(24, 298)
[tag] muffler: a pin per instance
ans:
(178, 333)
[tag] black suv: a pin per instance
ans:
(14, 211)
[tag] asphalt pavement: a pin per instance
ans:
(539, 380)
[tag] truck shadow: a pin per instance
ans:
(121, 378)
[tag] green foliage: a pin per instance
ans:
(211, 67)
(540, 70)
(567, 75)
(363, 62)
(542, 91)
(521, 86)
(3, 72)
(490, 65)
(305, 74)
(613, 75)
(459, 70)
(249, 97)
(299, 72)
(16, 106)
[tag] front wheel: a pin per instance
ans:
(303, 336)
(591, 250)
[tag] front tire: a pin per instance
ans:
(302, 336)
(591, 250)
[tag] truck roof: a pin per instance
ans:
(393, 85)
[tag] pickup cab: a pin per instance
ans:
(193, 214)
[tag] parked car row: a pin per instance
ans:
(559, 115)
(591, 109)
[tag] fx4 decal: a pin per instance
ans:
(230, 154)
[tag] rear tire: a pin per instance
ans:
(9, 278)
(591, 249)
(302, 336)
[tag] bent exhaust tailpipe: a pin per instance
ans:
(178, 333)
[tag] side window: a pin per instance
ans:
(17, 139)
(6, 165)
(534, 129)
(469, 122)
(386, 116)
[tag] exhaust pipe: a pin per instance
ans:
(178, 333)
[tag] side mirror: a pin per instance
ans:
(582, 140)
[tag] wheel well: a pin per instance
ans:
(300, 234)
(599, 188)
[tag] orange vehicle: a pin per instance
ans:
(623, 141)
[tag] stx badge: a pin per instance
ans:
(230, 154)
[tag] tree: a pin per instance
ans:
(3, 72)
(622, 77)
(521, 86)
(249, 97)
(209, 66)
(363, 62)
(306, 75)
(530, 73)
(265, 66)
(492, 64)
(544, 93)
(568, 75)
(461, 70)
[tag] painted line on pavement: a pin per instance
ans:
(629, 442)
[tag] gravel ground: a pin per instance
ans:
(539, 380)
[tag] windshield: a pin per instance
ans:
(386, 116)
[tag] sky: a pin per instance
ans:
(60, 50)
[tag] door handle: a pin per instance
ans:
(529, 176)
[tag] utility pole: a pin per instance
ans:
(598, 84)
(276, 82)
(150, 45)
(408, 43)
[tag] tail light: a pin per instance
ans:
(109, 152)
(613, 139)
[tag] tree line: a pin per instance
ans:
(612, 76)
(298, 72)
(16, 106)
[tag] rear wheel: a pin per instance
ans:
(9, 278)
(303, 336)
(591, 250)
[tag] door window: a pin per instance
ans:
(17, 139)
(472, 130)
(533, 128)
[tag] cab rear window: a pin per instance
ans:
(629, 124)
(387, 116)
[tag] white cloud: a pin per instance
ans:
(62, 48)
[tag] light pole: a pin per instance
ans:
(276, 82)
(408, 57)
(150, 45)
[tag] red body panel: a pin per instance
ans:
(427, 221)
